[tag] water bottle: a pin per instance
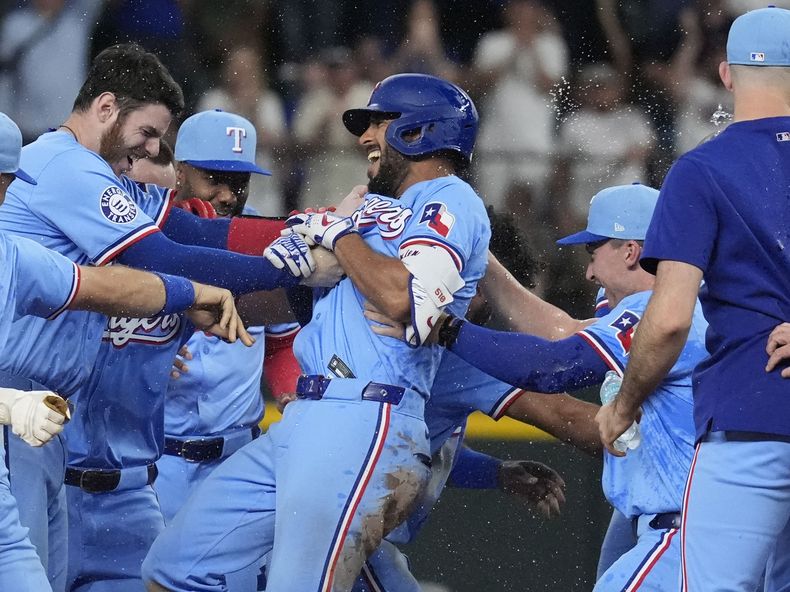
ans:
(631, 438)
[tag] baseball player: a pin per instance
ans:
(50, 284)
(647, 485)
(723, 217)
(351, 454)
(83, 209)
(213, 409)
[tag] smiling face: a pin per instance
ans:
(134, 135)
(388, 168)
(226, 191)
(610, 262)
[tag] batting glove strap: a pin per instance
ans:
(321, 228)
(34, 416)
(449, 330)
(291, 252)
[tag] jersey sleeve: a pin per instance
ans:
(79, 194)
(451, 217)
(45, 281)
(684, 223)
(611, 335)
(154, 201)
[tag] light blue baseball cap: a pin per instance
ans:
(218, 141)
(622, 211)
(760, 38)
(11, 149)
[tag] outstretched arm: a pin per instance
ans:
(566, 418)
(521, 310)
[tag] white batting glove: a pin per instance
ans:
(292, 251)
(34, 416)
(321, 228)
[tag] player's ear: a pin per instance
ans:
(633, 251)
(106, 106)
(726, 75)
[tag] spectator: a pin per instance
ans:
(517, 67)
(245, 91)
(43, 61)
(696, 90)
(334, 162)
(421, 49)
(606, 142)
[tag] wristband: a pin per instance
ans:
(179, 294)
(475, 470)
(448, 332)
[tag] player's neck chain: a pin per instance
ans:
(71, 131)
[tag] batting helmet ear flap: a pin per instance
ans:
(442, 113)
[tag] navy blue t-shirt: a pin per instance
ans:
(725, 208)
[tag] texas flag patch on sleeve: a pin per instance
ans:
(438, 218)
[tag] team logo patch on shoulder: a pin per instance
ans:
(625, 326)
(117, 206)
(438, 218)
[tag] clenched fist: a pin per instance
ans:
(34, 416)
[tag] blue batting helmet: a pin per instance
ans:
(442, 113)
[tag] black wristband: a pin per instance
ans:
(448, 332)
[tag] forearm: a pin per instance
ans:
(521, 310)
(530, 362)
(475, 470)
(122, 291)
(119, 291)
(249, 235)
(238, 273)
(382, 280)
(566, 418)
(662, 333)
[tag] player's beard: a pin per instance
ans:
(112, 147)
(393, 169)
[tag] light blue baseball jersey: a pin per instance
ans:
(33, 281)
(222, 389)
(445, 213)
(119, 419)
(651, 478)
(79, 208)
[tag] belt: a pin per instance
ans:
(665, 521)
(313, 386)
(207, 449)
(104, 480)
(740, 436)
(662, 521)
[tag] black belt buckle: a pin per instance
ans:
(383, 393)
(311, 386)
(202, 450)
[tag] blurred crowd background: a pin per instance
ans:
(573, 96)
